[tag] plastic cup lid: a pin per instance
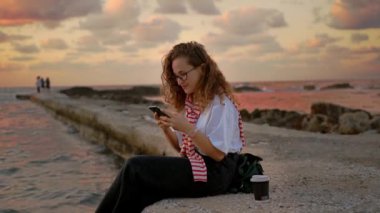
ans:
(259, 178)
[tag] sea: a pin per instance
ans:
(45, 166)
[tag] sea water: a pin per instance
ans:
(44, 165)
(292, 96)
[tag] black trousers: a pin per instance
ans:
(144, 180)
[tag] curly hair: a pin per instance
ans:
(212, 81)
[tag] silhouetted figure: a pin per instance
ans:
(38, 84)
(47, 82)
(42, 83)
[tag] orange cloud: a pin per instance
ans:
(10, 22)
(321, 40)
(20, 12)
(54, 43)
(250, 20)
(355, 14)
(157, 29)
(7, 67)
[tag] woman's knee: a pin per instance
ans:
(132, 166)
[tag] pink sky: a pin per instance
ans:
(108, 42)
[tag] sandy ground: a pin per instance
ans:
(310, 172)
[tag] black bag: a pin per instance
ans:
(247, 166)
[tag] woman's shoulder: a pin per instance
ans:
(222, 100)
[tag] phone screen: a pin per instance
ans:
(157, 110)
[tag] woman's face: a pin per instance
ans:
(187, 76)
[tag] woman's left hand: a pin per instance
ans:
(177, 120)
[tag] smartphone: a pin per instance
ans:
(157, 110)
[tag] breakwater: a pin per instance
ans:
(128, 132)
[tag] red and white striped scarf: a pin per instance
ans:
(198, 165)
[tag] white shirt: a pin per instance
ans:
(220, 123)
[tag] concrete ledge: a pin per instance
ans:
(124, 135)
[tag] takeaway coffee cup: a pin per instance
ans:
(260, 186)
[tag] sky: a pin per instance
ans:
(122, 42)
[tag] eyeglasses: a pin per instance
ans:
(183, 76)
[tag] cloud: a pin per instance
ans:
(20, 12)
(25, 49)
(367, 50)
(205, 7)
(359, 37)
(262, 43)
(321, 40)
(336, 62)
(314, 45)
(113, 25)
(119, 25)
(89, 44)
(338, 51)
(246, 27)
(54, 43)
(8, 38)
(116, 38)
(170, 6)
(156, 30)
(116, 15)
(59, 66)
(250, 20)
(137, 72)
(354, 14)
(8, 67)
(22, 58)
(225, 41)
(317, 14)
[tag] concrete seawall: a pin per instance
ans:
(126, 131)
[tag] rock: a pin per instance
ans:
(256, 114)
(23, 97)
(374, 86)
(246, 88)
(79, 91)
(324, 118)
(338, 86)
(318, 123)
(375, 122)
(276, 117)
(354, 123)
(245, 115)
(332, 111)
(134, 95)
(309, 87)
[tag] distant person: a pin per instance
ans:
(205, 128)
(47, 82)
(42, 83)
(38, 84)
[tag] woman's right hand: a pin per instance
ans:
(161, 123)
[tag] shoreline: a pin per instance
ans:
(310, 172)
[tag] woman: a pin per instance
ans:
(205, 128)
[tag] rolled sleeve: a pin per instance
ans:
(222, 128)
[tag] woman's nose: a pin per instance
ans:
(180, 81)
